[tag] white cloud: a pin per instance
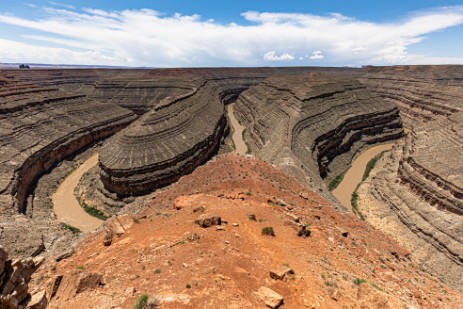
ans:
(358, 49)
(317, 55)
(150, 38)
(64, 5)
(31, 5)
(272, 56)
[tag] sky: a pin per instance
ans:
(245, 33)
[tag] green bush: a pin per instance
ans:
(71, 228)
(141, 302)
(268, 230)
(371, 164)
(95, 212)
(359, 281)
(336, 181)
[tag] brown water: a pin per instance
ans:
(240, 146)
(65, 204)
(355, 173)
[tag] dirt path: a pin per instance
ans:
(354, 175)
(67, 207)
(241, 147)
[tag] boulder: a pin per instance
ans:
(280, 272)
(271, 298)
(207, 220)
(38, 301)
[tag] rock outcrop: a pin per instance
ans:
(15, 275)
(423, 93)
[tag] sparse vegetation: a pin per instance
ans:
(371, 164)
(336, 181)
(248, 193)
(329, 283)
(39, 279)
(80, 267)
(141, 302)
(252, 217)
(353, 201)
(359, 281)
(376, 286)
(95, 212)
(90, 210)
(157, 271)
(188, 286)
(354, 198)
(71, 228)
(268, 230)
(248, 149)
(69, 172)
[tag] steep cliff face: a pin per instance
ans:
(418, 197)
(141, 96)
(172, 139)
(313, 126)
(39, 127)
(423, 93)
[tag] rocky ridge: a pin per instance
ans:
(14, 279)
(202, 244)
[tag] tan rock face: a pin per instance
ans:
(281, 272)
(38, 301)
(271, 298)
(14, 278)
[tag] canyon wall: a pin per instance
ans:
(40, 125)
(174, 137)
(312, 126)
(416, 194)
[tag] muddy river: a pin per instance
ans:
(355, 173)
(240, 146)
(65, 204)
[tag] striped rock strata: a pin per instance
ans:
(313, 126)
(417, 193)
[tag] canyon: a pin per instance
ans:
(153, 128)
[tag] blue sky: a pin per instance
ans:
(190, 33)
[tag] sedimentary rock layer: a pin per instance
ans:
(179, 133)
(314, 126)
(40, 125)
(418, 197)
(422, 209)
(422, 93)
(140, 96)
